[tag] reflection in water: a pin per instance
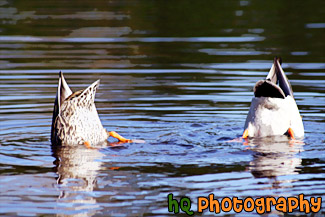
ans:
(274, 157)
(77, 169)
(87, 183)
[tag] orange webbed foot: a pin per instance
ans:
(119, 137)
(291, 133)
(88, 145)
(293, 140)
(245, 134)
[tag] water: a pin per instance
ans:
(178, 74)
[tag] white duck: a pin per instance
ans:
(273, 110)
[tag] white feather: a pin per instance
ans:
(269, 116)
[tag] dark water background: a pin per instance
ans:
(178, 74)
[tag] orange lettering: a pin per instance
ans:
(316, 205)
(237, 201)
(281, 204)
(223, 204)
(246, 201)
(260, 205)
(270, 200)
(214, 204)
(303, 204)
(200, 205)
(291, 206)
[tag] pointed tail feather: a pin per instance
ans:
(62, 93)
(269, 87)
(282, 78)
(64, 90)
(272, 75)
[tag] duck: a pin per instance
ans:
(75, 119)
(273, 110)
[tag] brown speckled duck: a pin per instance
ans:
(75, 119)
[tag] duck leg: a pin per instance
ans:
(118, 136)
(88, 145)
(291, 133)
(245, 134)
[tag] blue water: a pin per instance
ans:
(178, 75)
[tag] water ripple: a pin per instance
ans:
(125, 39)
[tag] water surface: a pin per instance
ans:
(178, 74)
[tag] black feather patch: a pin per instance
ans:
(268, 89)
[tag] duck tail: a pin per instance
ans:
(282, 78)
(62, 93)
